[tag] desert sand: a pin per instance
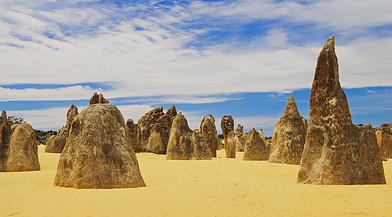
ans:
(218, 187)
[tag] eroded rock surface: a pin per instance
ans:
(208, 130)
(289, 136)
(384, 140)
(145, 125)
(240, 137)
(255, 148)
(23, 150)
(5, 134)
(227, 125)
(336, 151)
(132, 133)
(95, 155)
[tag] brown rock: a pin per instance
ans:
(208, 130)
(336, 151)
(5, 134)
(71, 113)
(55, 144)
(97, 99)
(159, 135)
(180, 145)
(255, 148)
(384, 140)
(289, 136)
(240, 138)
(132, 133)
(267, 142)
(145, 125)
(227, 125)
(23, 150)
(95, 155)
(201, 149)
(172, 112)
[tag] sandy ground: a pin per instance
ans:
(220, 187)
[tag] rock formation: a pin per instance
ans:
(384, 140)
(145, 125)
(159, 134)
(240, 137)
(227, 125)
(97, 99)
(132, 133)
(95, 155)
(208, 130)
(23, 150)
(267, 142)
(289, 136)
(255, 148)
(336, 151)
(5, 134)
(56, 144)
(185, 144)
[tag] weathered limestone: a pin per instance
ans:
(97, 99)
(336, 151)
(23, 150)
(145, 125)
(95, 155)
(185, 144)
(240, 137)
(255, 148)
(227, 125)
(132, 133)
(5, 134)
(289, 136)
(208, 130)
(384, 140)
(267, 142)
(159, 134)
(56, 144)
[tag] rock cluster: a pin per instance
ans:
(336, 151)
(240, 137)
(132, 133)
(289, 136)
(384, 140)
(186, 144)
(18, 147)
(227, 125)
(98, 99)
(97, 153)
(208, 130)
(255, 148)
(154, 128)
(55, 143)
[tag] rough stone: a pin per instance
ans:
(145, 125)
(95, 155)
(5, 134)
(240, 138)
(289, 136)
(97, 99)
(159, 135)
(255, 148)
(71, 113)
(208, 130)
(55, 144)
(227, 125)
(201, 149)
(23, 150)
(132, 133)
(384, 140)
(336, 151)
(180, 145)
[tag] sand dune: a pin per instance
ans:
(221, 187)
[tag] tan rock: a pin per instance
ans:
(255, 148)
(97, 99)
(132, 133)
(55, 144)
(289, 136)
(201, 149)
(209, 133)
(159, 135)
(23, 150)
(227, 125)
(71, 113)
(95, 155)
(145, 125)
(336, 151)
(5, 134)
(240, 138)
(384, 140)
(180, 145)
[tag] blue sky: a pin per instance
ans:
(239, 57)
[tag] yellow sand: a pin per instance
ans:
(221, 187)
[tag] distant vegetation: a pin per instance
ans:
(15, 120)
(41, 136)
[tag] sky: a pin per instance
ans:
(238, 57)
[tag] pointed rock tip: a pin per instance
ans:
(330, 43)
